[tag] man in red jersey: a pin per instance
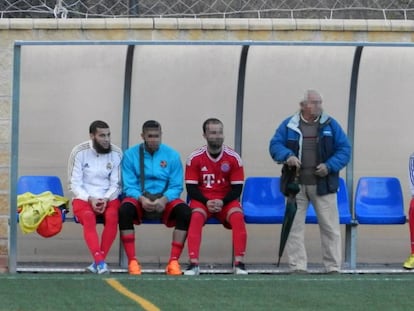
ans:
(214, 178)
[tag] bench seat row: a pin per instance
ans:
(378, 200)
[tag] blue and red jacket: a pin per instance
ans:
(163, 168)
(333, 146)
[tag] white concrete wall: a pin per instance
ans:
(385, 110)
(63, 89)
(276, 79)
(181, 86)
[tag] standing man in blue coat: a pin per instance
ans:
(316, 145)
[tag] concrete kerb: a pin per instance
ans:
(215, 268)
(203, 23)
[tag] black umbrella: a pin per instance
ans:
(290, 188)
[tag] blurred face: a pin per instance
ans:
(101, 140)
(214, 136)
(152, 139)
(312, 107)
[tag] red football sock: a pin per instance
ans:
(194, 235)
(239, 234)
(411, 224)
(110, 229)
(128, 240)
(176, 250)
(90, 235)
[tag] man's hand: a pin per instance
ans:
(293, 161)
(98, 205)
(160, 204)
(147, 204)
(214, 206)
(153, 206)
(321, 170)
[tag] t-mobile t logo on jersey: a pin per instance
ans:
(208, 180)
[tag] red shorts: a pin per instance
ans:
(165, 216)
(222, 215)
(80, 207)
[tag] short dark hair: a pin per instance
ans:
(210, 120)
(151, 124)
(97, 124)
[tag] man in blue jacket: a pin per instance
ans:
(152, 178)
(316, 145)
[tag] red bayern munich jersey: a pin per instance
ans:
(214, 176)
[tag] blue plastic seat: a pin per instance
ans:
(38, 184)
(379, 200)
(262, 201)
(343, 206)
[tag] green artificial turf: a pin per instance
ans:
(207, 292)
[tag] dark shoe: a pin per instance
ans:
(240, 269)
(193, 269)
